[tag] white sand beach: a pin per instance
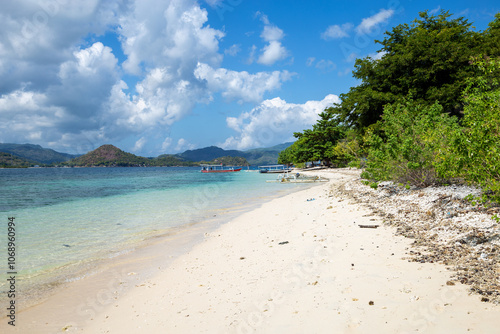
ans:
(297, 264)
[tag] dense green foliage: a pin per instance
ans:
(428, 59)
(287, 156)
(478, 147)
(315, 144)
(411, 144)
(427, 111)
(420, 145)
(349, 150)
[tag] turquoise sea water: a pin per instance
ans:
(66, 217)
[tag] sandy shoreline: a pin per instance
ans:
(297, 264)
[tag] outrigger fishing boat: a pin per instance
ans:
(297, 178)
(219, 169)
(274, 169)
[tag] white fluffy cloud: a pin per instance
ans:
(370, 23)
(139, 144)
(164, 41)
(27, 112)
(366, 26)
(324, 65)
(63, 87)
(241, 86)
(52, 84)
(183, 144)
(91, 74)
(233, 50)
(68, 110)
(37, 36)
(337, 31)
(271, 33)
(214, 3)
(172, 34)
(29, 117)
(273, 121)
(166, 144)
(274, 50)
(179, 55)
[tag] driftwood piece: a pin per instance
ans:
(368, 226)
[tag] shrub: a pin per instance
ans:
(412, 144)
(479, 145)
(348, 151)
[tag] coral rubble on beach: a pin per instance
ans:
(445, 227)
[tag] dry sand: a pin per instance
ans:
(297, 264)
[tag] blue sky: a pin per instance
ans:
(164, 76)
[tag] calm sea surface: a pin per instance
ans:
(66, 217)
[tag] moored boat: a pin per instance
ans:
(219, 169)
(274, 169)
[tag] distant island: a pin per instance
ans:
(29, 155)
(111, 156)
(257, 156)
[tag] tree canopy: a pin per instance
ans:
(316, 143)
(428, 61)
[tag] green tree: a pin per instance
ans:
(349, 149)
(287, 156)
(491, 38)
(317, 143)
(428, 59)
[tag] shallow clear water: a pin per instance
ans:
(69, 216)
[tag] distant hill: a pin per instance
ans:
(265, 156)
(108, 156)
(111, 156)
(35, 153)
(171, 160)
(230, 161)
(208, 154)
(8, 160)
(24, 155)
(258, 156)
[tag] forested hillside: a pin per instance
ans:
(8, 160)
(35, 153)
